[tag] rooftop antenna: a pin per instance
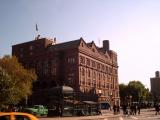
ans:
(99, 41)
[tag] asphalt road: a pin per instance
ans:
(146, 114)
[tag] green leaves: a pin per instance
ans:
(135, 89)
(15, 81)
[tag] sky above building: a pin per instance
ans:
(132, 26)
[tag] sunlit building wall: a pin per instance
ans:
(90, 70)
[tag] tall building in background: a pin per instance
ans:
(90, 70)
(155, 85)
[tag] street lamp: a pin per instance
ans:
(26, 100)
(111, 100)
(99, 98)
(99, 94)
(129, 100)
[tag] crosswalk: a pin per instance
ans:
(141, 117)
(146, 114)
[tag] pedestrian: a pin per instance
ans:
(135, 109)
(132, 109)
(124, 107)
(115, 109)
(157, 109)
(118, 109)
(89, 110)
(139, 109)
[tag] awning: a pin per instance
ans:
(61, 90)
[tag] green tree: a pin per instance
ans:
(5, 86)
(123, 92)
(135, 89)
(16, 81)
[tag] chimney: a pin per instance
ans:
(106, 45)
(157, 73)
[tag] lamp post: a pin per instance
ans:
(99, 94)
(26, 100)
(111, 100)
(99, 99)
(130, 99)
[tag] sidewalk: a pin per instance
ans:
(105, 114)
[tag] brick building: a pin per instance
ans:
(91, 71)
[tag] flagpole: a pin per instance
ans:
(36, 32)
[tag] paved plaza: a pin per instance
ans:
(146, 114)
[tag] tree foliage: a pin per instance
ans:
(135, 89)
(122, 89)
(5, 86)
(15, 80)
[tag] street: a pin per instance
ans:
(146, 114)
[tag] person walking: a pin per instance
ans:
(124, 107)
(139, 109)
(114, 109)
(157, 109)
(135, 109)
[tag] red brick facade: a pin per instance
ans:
(91, 71)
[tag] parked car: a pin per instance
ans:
(16, 116)
(37, 110)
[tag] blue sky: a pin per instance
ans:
(132, 26)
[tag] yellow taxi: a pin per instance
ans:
(16, 116)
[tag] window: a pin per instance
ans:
(88, 62)
(71, 78)
(5, 117)
(98, 65)
(21, 117)
(93, 64)
(31, 47)
(89, 73)
(102, 67)
(83, 82)
(53, 70)
(89, 82)
(71, 60)
(110, 70)
(45, 68)
(83, 72)
(116, 71)
(107, 85)
(106, 69)
(82, 44)
(94, 83)
(104, 77)
(99, 76)
(83, 60)
(94, 74)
